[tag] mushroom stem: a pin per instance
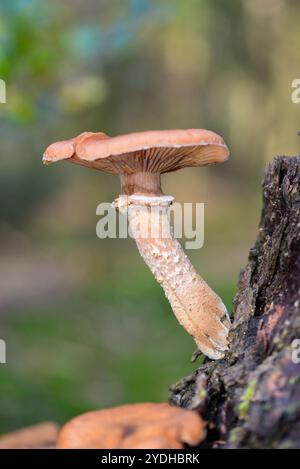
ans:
(141, 183)
(197, 307)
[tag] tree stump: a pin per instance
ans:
(251, 398)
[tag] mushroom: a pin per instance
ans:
(41, 435)
(140, 159)
(132, 426)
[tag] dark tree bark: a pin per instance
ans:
(251, 398)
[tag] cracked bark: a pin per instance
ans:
(251, 398)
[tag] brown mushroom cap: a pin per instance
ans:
(159, 151)
(133, 426)
(41, 435)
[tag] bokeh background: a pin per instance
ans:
(85, 323)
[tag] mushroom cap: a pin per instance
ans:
(145, 425)
(41, 435)
(158, 151)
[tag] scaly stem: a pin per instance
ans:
(197, 307)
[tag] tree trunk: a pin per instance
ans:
(251, 398)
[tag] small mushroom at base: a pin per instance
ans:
(133, 426)
(39, 436)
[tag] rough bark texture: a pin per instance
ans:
(251, 398)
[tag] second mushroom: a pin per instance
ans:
(140, 159)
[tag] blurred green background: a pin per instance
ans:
(85, 323)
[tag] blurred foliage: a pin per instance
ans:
(119, 66)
